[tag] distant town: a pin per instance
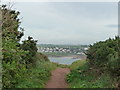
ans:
(71, 49)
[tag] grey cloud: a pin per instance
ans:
(113, 26)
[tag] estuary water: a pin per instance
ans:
(63, 60)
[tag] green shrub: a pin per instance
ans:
(102, 69)
(30, 46)
(83, 77)
(16, 56)
(105, 55)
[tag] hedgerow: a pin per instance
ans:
(19, 58)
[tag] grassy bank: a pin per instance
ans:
(38, 74)
(82, 76)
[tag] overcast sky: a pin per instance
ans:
(69, 23)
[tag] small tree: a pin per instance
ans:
(12, 54)
(30, 46)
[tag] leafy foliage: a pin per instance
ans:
(82, 76)
(105, 55)
(17, 57)
(102, 69)
(12, 54)
(30, 46)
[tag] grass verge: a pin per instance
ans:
(82, 76)
(38, 74)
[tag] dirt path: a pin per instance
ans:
(58, 78)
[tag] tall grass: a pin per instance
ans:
(82, 76)
(38, 74)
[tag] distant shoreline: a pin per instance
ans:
(70, 56)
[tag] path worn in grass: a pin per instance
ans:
(57, 79)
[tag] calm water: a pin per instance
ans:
(63, 60)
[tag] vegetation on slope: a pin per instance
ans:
(23, 67)
(82, 77)
(100, 70)
(37, 75)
